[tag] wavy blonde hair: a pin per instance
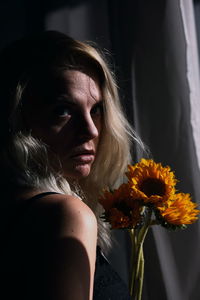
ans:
(23, 156)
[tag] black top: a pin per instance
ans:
(107, 283)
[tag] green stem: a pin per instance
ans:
(137, 262)
(138, 280)
(132, 233)
(141, 272)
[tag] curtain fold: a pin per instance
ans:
(167, 91)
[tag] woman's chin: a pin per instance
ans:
(78, 172)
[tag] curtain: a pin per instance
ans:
(167, 91)
(154, 53)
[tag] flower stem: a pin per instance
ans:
(137, 259)
(141, 272)
(133, 255)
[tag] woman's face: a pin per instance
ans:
(67, 116)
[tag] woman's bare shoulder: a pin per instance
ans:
(62, 215)
(66, 228)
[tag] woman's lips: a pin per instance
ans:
(83, 158)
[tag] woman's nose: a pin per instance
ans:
(88, 129)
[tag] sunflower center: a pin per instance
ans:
(123, 207)
(153, 186)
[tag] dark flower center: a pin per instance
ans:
(153, 186)
(123, 207)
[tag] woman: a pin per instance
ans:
(63, 139)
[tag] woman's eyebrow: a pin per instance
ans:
(70, 100)
(65, 98)
(99, 102)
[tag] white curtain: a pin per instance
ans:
(188, 17)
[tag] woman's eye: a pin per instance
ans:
(97, 109)
(62, 111)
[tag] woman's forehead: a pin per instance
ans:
(78, 82)
(68, 83)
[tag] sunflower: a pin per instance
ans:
(112, 198)
(179, 210)
(151, 182)
(121, 211)
(119, 219)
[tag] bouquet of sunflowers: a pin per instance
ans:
(148, 198)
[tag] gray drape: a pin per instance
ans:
(168, 108)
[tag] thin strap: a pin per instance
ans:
(28, 202)
(38, 196)
(22, 206)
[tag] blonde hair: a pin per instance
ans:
(26, 158)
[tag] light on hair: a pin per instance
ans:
(27, 158)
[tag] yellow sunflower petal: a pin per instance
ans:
(153, 181)
(180, 210)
